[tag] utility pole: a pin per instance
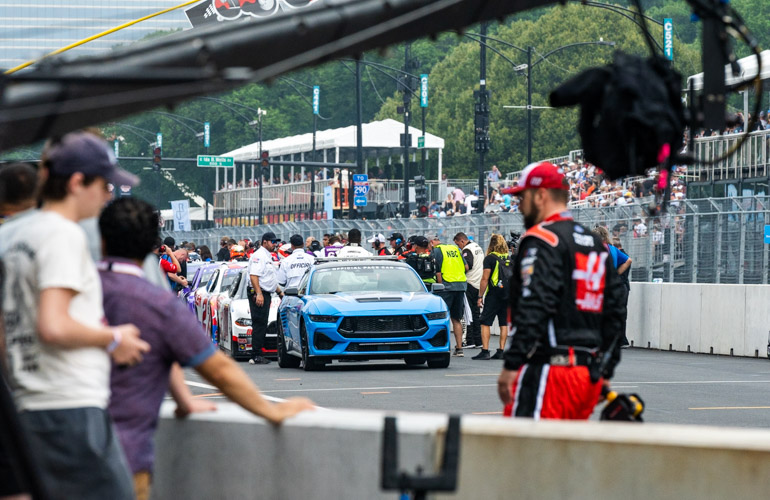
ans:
(359, 138)
(261, 170)
(407, 100)
(312, 170)
(481, 115)
(529, 105)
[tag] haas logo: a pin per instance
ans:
(589, 277)
(233, 9)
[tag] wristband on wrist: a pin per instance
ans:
(117, 337)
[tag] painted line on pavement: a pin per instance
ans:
(698, 382)
(475, 375)
(219, 395)
(733, 408)
(375, 392)
(333, 389)
(286, 379)
(487, 413)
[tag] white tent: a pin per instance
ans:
(748, 71)
(380, 139)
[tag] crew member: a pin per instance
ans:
(293, 268)
(263, 283)
(379, 244)
(397, 244)
(451, 272)
(334, 246)
(422, 260)
(473, 256)
(354, 248)
(494, 294)
(565, 307)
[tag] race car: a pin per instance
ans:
(221, 281)
(362, 309)
(199, 280)
(234, 322)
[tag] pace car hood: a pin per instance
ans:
(373, 302)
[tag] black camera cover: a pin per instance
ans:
(631, 117)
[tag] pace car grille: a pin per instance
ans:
(382, 326)
(383, 346)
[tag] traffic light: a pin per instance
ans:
(421, 196)
(157, 154)
(481, 121)
(265, 161)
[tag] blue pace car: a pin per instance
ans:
(362, 309)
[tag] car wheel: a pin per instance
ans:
(415, 361)
(440, 361)
(285, 360)
(309, 364)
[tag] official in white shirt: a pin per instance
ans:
(263, 283)
(354, 248)
(293, 267)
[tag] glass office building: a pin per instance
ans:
(31, 29)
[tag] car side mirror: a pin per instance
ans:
(437, 287)
(291, 291)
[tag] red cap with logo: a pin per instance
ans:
(539, 175)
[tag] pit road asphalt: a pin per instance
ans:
(677, 388)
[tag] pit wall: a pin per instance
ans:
(701, 318)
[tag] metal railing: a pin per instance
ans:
(716, 240)
(751, 160)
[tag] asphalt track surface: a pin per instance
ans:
(677, 388)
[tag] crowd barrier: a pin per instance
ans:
(701, 318)
(337, 455)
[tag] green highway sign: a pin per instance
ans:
(215, 161)
(421, 142)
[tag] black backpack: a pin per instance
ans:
(504, 275)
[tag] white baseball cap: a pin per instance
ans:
(378, 237)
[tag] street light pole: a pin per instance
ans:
(482, 88)
(529, 105)
(312, 170)
(407, 99)
(261, 169)
(359, 136)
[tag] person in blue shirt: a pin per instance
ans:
(622, 263)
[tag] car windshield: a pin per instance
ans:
(206, 276)
(230, 276)
(365, 279)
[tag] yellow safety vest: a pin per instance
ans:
(452, 264)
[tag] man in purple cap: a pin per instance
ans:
(58, 343)
(565, 308)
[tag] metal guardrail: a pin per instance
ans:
(715, 240)
(751, 160)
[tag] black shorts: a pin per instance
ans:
(454, 301)
(495, 306)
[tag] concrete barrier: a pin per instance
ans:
(336, 455)
(703, 318)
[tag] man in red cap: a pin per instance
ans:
(565, 307)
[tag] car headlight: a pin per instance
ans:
(438, 315)
(243, 321)
(317, 318)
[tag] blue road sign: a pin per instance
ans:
(360, 178)
(159, 140)
(206, 134)
(316, 99)
(359, 201)
(423, 91)
(668, 38)
(767, 235)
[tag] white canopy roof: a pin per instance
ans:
(385, 134)
(748, 70)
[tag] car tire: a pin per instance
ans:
(440, 361)
(415, 360)
(285, 360)
(308, 364)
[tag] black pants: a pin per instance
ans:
(259, 318)
(473, 332)
(624, 339)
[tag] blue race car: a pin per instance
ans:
(361, 310)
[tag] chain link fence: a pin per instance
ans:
(715, 240)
